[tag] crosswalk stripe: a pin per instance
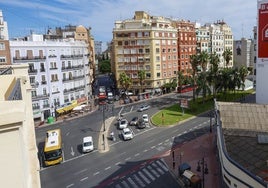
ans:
(125, 184)
(148, 173)
(132, 182)
(152, 170)
(118, 186)
(138, 180)
(162, 165)
(158, 169)
(144, 177)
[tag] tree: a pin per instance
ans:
(125, 81)
(141, 76)
(227, 55)
(213, 75)
(243, 72)
(202, 85)
(105, 66)
(181, 79)
(203, 58)
(194, 62)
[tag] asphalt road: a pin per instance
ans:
(134, 163)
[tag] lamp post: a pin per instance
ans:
(202, 166)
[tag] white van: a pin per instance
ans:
(87, 144)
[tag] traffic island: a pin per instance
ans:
(103, 145)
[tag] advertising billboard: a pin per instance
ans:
(263, 29)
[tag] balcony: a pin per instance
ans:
(42, 70)
(53, 68)
(40, 97)
(28, 59)
(75, 67)
(43, 82)
(32, 71)
(36, 107)
(71, 56)
(46, 106)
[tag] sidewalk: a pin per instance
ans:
(193, 151)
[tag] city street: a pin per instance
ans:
(133, 163)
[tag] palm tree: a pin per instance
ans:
(203, 60)
(243, 72)
(181, 80)
(227, 55)
(194, 60)
(125, 81)
(203, 86)
(141, 76)
(214, 73)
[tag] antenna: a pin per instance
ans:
(242, 30)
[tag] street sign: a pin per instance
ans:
(184, 103)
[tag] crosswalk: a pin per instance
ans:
(143, 177)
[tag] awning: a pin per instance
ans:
(80, 107)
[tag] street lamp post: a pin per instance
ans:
(202, 163)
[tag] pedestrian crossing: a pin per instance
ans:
(142, 177)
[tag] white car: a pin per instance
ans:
(127, 134)
(122, 123)
(144, 107)
(145, 118)
(87, 144)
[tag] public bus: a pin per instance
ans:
(53, 148)
(186, 88)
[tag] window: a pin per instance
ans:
(157, 50)
(32, 80)
(140, 51)
(157, 58)
(158, 67)
(2, 59)
(147, 50)
(158, 74)
(2, 46)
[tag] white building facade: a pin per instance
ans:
(58, 72)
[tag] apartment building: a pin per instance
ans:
(215, 38)
(187, 45)
(58, 72)
(19, 154)
(79, 33)
(4, 42)
(242, 52)
(146, 43)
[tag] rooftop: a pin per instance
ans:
(245, 131)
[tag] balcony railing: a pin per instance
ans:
(38, 97)
(46, 105)
(27, 58)
(43, 82)
(71, 56)
(32, 71)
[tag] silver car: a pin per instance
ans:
(144, 107)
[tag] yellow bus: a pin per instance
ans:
(53, 148)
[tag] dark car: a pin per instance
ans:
(142, 124)
(134, 121)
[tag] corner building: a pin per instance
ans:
(145, 43)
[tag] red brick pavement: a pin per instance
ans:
(191, 152)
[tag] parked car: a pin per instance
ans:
(87, 144)
(134, 121)
(145, 118)
(127, 134)
(142, 124)
(144, 107)
(122, 124)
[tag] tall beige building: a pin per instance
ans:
(146, 43)
(19, 154)
(4, 42)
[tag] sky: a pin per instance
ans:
(24, 16)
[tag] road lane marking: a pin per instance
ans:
(127, 158)
(117, 163)
(145, 150)
(70, 185)
(160, 143)
(67, 133)
(81, 171)
(107, 168)
(96, 173)
(152, 147)
(83, 179)
(137, 154)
